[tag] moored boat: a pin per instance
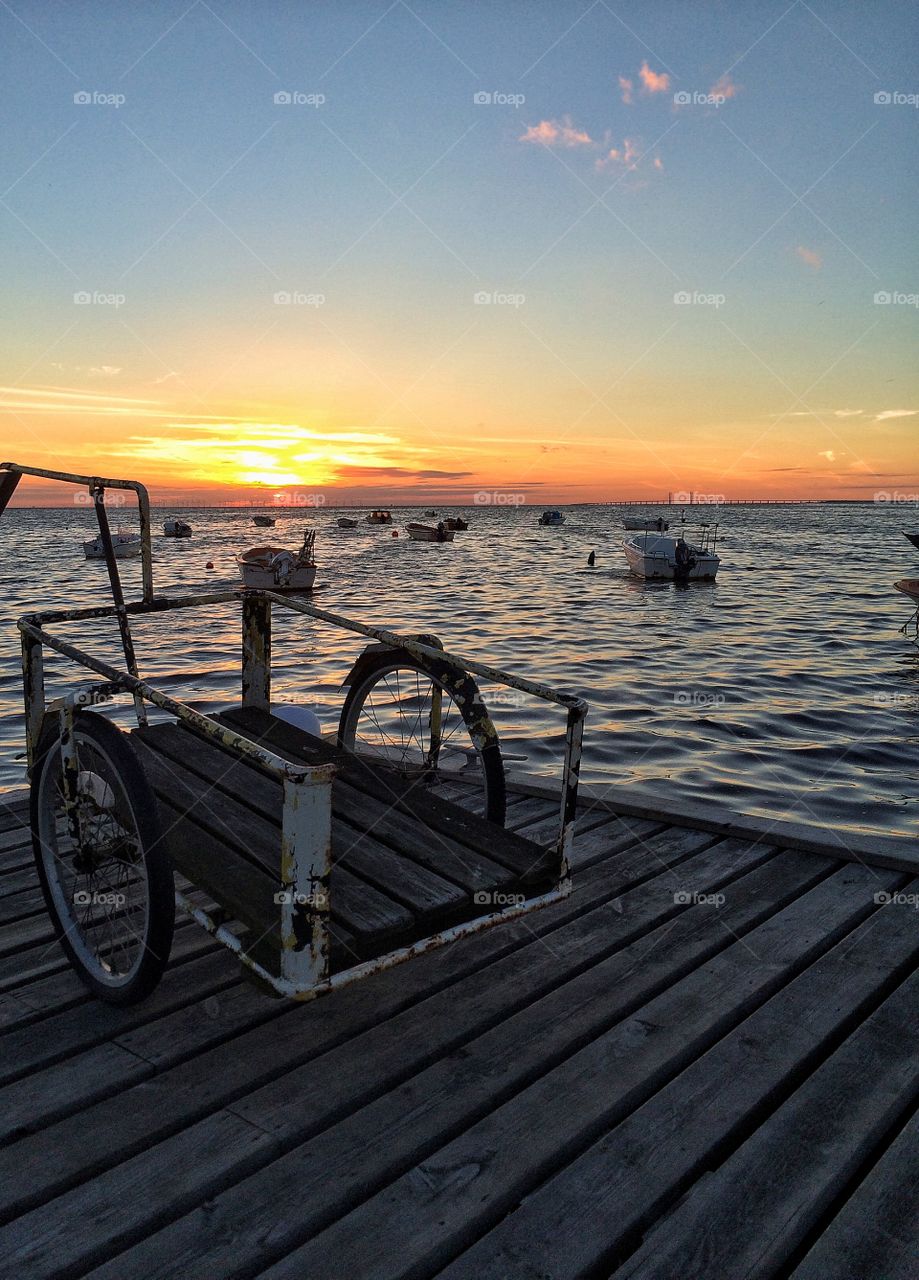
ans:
(637, 524)
(429, 532)
(125, 545)
(455, 523)
(344, 522)
(909, 587)
(913, 538)
(263, 522)
(658, 557)
(277, 569)
(176, 529)
(379, 517)
(551, 518)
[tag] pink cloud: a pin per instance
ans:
(554, 133)
(626, 86)
(626, 156)
(724, 87)
(810, 256)
(651, 81)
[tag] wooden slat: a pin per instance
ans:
(629, 1179)
(875, 1236)
(501, 970)
(342, 1164)
(443, 1204)
(434, 814)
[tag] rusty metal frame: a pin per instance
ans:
(305, 856)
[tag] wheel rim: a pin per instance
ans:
(394, 721)
(99, 886)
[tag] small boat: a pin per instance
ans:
(379, 517)
(345, 523)
(263, 522)
(913, 538)
(455, 523)
(429, 532)
(659, 525)
(126, 546)
(661, 558)
(430, 513)
(909, 587)
(551, 518)
(176, 529)
(277, 569)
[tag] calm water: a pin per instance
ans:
(785, 689)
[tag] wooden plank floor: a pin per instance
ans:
(704, 1063)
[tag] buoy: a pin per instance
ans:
(395, 533)
(209, 565)
(591, 559)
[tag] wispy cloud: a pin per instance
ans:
(895, 413)
(651, 81)
(625, 156)
(557, 133)
(810, 256)
(626, 87)
(725, 87)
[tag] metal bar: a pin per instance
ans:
(420, 650)
(124, 627)
(306, 863)
(209, 728)
(160, 604)
(33, 689)
(256, 645)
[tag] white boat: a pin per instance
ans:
(430, 532)
(551, 518)
(176, 529)
(345, 523)
(125, 545)
(277, 569)
(659, 557)
(379, 517)
(635, 523)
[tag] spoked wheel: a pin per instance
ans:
(399, 714)
(110, 892)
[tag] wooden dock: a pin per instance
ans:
(704, 1063)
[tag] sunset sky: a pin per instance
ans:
(655, 259)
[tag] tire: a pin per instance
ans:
(388, 672)
(113, 917)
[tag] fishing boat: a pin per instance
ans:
(176, 529)
(551, 518)
(430, 513)
(263, 522)
(379, 517)
(646, 524)
(126, 546)
(429, 532)
(912, 537)
(455, 523)
(277, 569)
(909, 587)
(345, 523)
(661, 558)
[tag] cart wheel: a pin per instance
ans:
(391, 715)
(110, 895)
